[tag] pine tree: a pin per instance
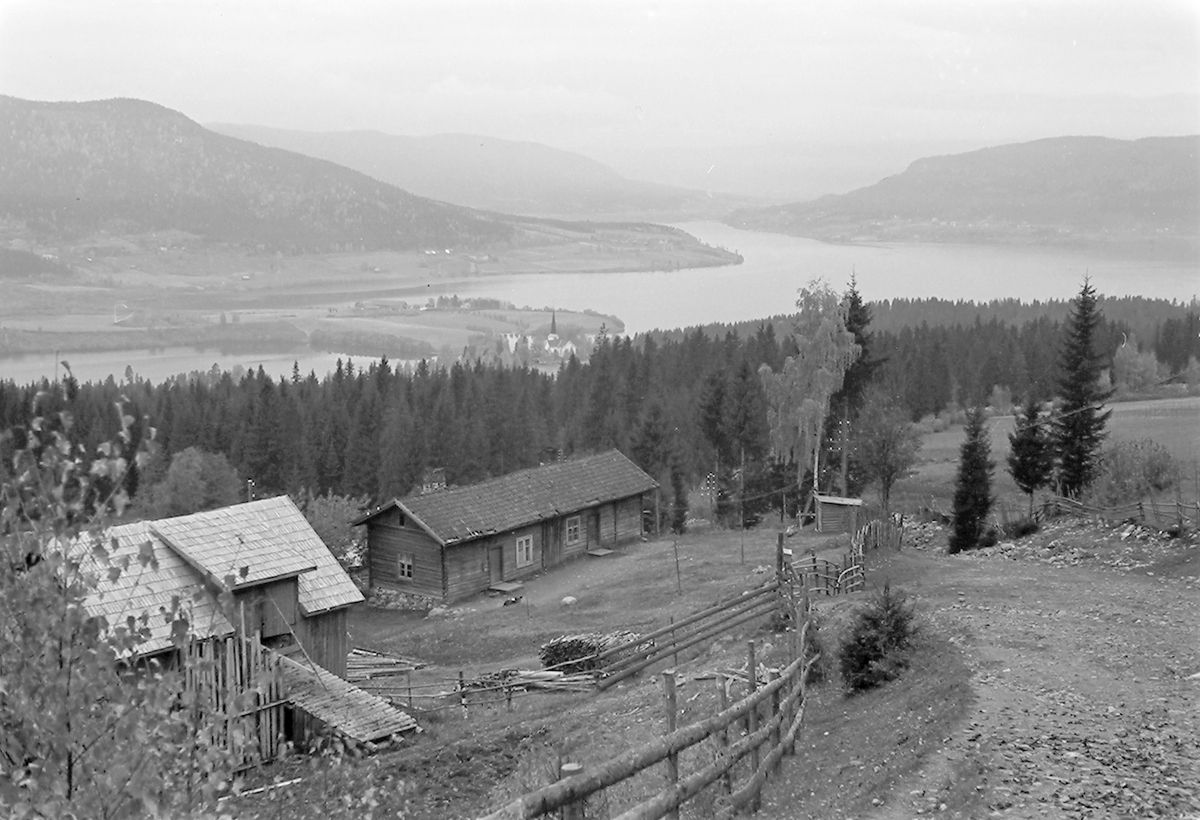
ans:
(973, 488)
(1079, 427)
(1031, 452)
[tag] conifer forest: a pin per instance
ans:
(687, 406)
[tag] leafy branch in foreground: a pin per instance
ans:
(90, 725)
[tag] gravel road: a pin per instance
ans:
(1087, 679)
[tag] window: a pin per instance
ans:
(404, 567)
(524, 550)
(573, 530)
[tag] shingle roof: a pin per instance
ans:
(326, 587)
(269, 537)
(235, 541)
(146, 589)
(524, 497)
(347, 708)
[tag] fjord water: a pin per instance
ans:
(763, 285)
(776, 266)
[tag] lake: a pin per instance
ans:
(776, 266)
(764, 285)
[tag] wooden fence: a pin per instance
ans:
(770, 715)
(239, 682)
(881, 533)
(620, 662)
(1160, 515)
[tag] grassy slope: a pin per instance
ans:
(1174, 423)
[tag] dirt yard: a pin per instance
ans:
(1053, 678)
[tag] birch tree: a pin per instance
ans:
(798, 395)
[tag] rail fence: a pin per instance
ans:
(1158, 514)
(768, 719)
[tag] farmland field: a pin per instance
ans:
(1173, 423)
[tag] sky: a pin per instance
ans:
(607, 77)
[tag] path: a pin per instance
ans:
(1086, 692)
(1086, 702)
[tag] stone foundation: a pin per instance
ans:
(395, 599)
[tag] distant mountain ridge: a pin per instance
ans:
(1061, 190)
(129, 166)
(525, 178)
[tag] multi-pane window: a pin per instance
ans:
(573, 530)
(404, 567)
(524, 550)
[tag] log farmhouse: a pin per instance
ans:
(449, 544)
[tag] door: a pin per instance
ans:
(495, 563)
(593, 529)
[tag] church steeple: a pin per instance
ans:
(553, 323)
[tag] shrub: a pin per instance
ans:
(1130, 470)
(877, 649)
(1019, 528)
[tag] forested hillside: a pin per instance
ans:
(1144, 193)
(691, 403)
(129, 167)
(495, 174)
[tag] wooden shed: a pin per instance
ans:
(290, 595)
(837, 514)
(452, 543)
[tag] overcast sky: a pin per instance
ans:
(602, 76)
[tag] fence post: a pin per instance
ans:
(408, 683)
(752, 715)
(575, 810)
(723, 697)
(674, 645)
(462, 693)
(668, 679)
(779, 555)
(775, 703)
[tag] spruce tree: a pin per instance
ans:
(1079, 427)
(1031, 451)
(973, 488)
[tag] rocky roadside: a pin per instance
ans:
(1087, 679)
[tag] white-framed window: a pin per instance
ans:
(525, 550)
(404, 567)
(573, 530)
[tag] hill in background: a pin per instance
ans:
(495, 174)
(126, 167)
(1141, 194)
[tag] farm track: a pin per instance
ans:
(1085, 696)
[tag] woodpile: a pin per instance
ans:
(365, 664)
(572, 654)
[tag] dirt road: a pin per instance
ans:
(1086, 682)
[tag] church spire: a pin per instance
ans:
(553, 323)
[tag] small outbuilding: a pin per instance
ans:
(837, 514)
(286, 585)
(449, 544)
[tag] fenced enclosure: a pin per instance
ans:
(239, 681)
(766, 721)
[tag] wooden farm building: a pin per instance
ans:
(289, 595)
(452, 543)
(837, 514)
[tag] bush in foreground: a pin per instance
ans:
(880, 641)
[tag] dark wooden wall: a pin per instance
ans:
(325, 639)
(387, 542)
